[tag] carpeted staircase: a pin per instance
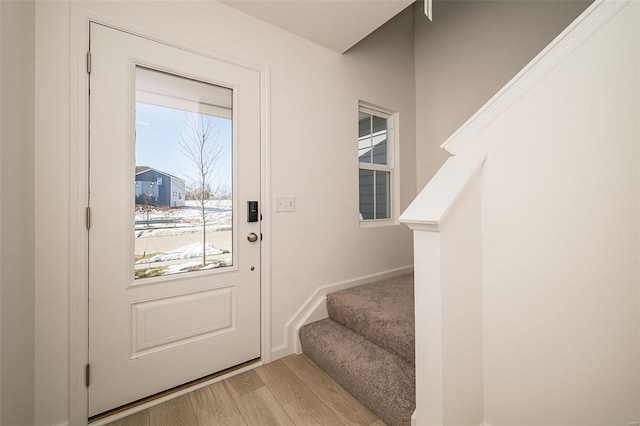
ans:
(368, 346)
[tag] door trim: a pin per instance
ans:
(80, 17)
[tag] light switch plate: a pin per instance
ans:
(285, 204)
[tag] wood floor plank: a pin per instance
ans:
(138, 419)
(214, 406)
(291, 391)
(175, 412)
(243, 383)
(260, 408)
(348, 409)
(300, 403)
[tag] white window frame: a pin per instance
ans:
(392, 166)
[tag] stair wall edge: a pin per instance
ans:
(315, 308)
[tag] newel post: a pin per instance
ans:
(445, 219)
(428, 311)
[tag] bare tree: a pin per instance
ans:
(199, 143)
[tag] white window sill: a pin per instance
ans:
(378, 223)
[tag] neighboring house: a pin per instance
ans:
(158, 188)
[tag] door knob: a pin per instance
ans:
(252, 237)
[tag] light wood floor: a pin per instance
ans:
(289, 391)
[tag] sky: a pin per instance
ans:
(158, 131)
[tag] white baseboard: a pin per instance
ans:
(63, 423)
(414, 419)
(315, 308)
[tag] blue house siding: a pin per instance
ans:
(159, 189)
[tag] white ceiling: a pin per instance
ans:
(336, 24)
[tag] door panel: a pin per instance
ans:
(174, 284)
(174, 321)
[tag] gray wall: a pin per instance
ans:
(17, 290)
(469, 51)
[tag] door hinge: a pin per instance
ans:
(88, 218)
(88, 62)
(87, 374)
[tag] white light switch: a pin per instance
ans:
(285, 204)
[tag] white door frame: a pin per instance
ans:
(78, 190)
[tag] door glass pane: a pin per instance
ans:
(183, 175)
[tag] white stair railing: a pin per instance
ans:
(445, 218)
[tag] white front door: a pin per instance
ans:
(174, 248)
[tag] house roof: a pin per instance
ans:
(142, 169)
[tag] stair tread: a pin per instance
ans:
(382, 381)
(383, 312)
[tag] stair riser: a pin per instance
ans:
(382, 312)
(379, 379)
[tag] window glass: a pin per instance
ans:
(366, 194)
(364, 138)
(375, 170)
(183, 169)
(379, 140)
(383, 205)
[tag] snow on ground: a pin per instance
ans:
(191, 210)
(186, 252)
(182, 230)
(183, 220)
(176, 269)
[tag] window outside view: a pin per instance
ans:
(374, 172)
(183, 175)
